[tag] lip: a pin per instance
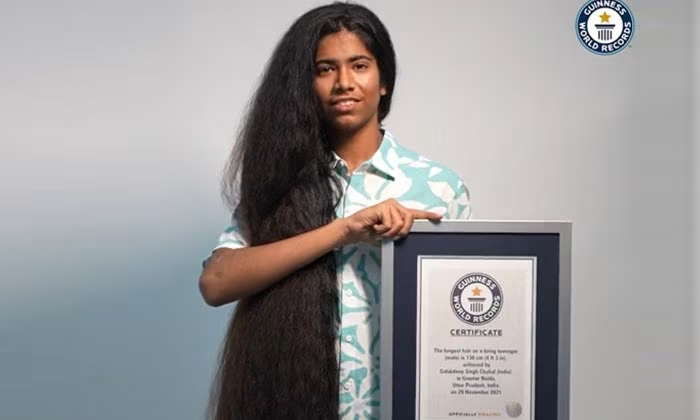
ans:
(344, 104)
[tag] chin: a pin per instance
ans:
(347, 123)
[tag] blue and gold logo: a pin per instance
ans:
(605, 27)
(477, 299)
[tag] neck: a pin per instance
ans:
(357, 147)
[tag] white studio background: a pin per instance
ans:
(116, 119)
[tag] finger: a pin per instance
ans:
(386, 223)
(397, 224)
(379, 230)
(422, 214)
(407, 223)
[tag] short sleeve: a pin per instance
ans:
(459, 208)
(232, 237)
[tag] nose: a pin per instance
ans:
(344, 81)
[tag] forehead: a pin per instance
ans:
(340, 45)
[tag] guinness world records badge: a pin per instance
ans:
(605, 27)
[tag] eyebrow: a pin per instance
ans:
(351, 59)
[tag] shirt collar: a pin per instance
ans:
(384, 160)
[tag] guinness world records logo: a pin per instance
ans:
(604, 27)
(476, 299)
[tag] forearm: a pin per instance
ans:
(233, 274)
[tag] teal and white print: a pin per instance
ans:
(416, 182)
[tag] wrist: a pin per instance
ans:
(341, 231)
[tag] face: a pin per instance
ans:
(347, 82)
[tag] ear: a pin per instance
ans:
(382, 91)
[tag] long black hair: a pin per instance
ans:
(278, 359)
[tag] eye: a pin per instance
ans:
(361, 66)
(324, 69)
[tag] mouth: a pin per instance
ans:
(344, 104)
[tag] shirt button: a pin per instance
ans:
(347, 386)
(348, 338)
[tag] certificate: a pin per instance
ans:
(476, 337)
(475, 321)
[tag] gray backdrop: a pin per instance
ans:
(116, 118)
(696, 210)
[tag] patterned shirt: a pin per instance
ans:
(415, 182)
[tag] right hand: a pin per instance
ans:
(386, 220)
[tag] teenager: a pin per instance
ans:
(315, 183)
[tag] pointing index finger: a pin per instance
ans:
(422, 214)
